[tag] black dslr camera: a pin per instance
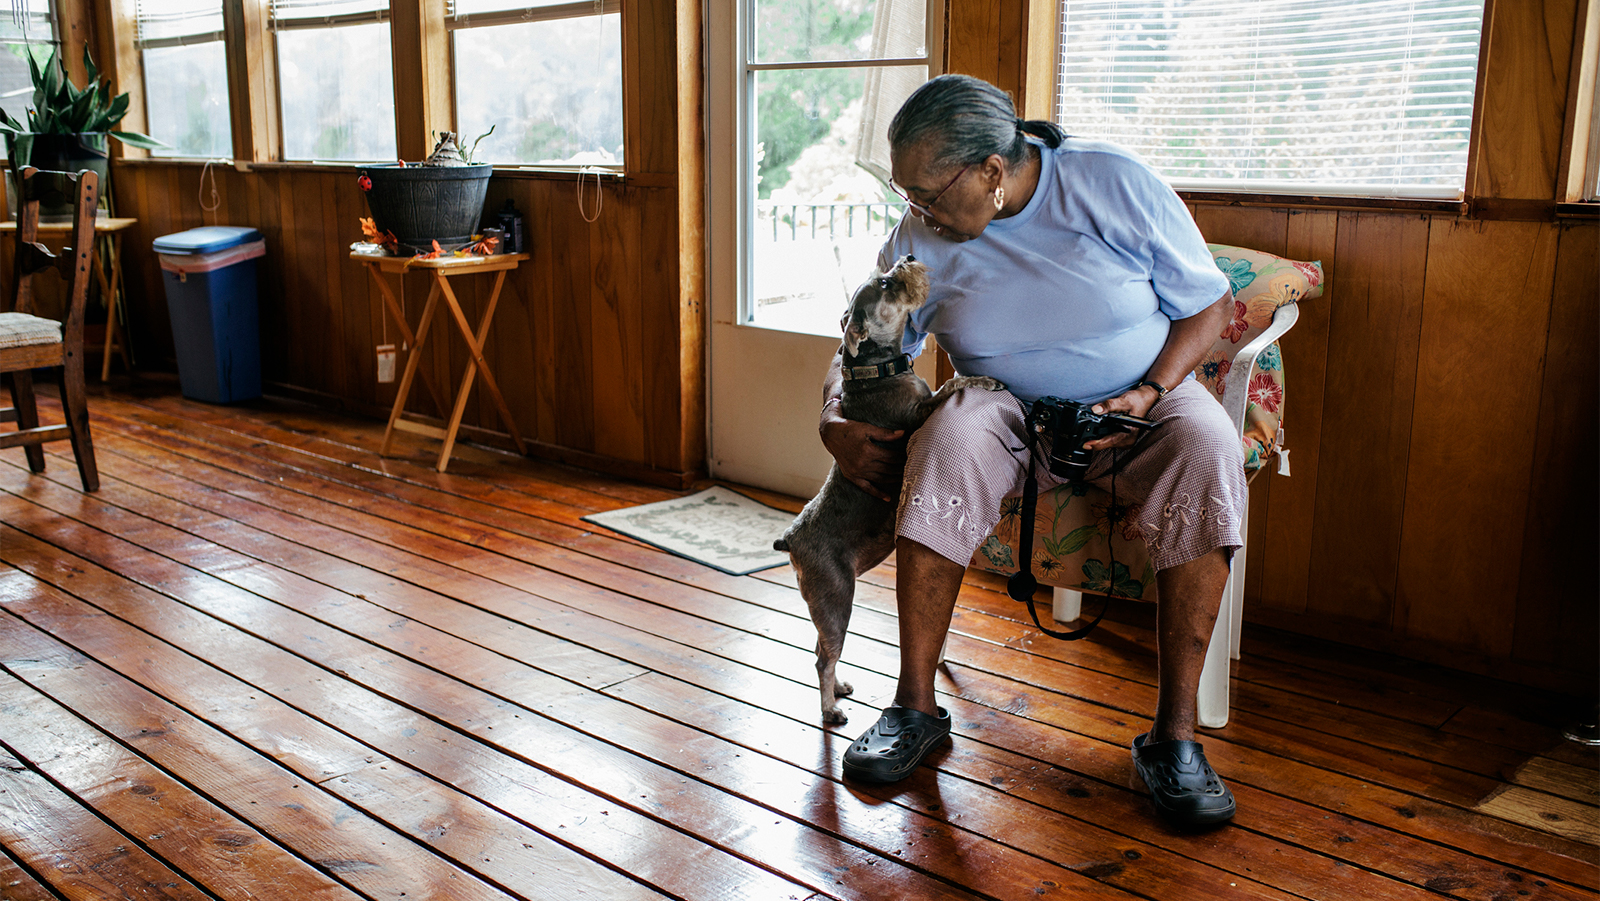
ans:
(1069, 425)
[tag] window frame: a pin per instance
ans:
(1580, 149)
(140, 45)
(732, 73)
(308, 23)
(454, 22)
(1279, 195)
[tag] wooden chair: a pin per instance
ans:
(1073, 540)
(29, 342)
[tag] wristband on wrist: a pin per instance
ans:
(1160, 391)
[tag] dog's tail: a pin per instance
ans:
(781, 545)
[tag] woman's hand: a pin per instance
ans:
(870, 457)
(1187, 342)
(1135, 403)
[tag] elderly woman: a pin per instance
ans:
(1067, 268)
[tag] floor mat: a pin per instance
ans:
(722, 529)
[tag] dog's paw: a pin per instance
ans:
(834, 716)
(841, 689)
(963, 382)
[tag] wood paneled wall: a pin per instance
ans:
(597, 340)
(1440, 416)
(584, 333)
(1442, 394)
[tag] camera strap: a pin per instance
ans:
(1022, 584)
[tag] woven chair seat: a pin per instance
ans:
(23, 330)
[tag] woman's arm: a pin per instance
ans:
(1187, 343)
(858, 447)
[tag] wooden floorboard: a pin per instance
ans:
(264, 662)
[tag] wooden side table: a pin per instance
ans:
(110, 285)
(440, 272)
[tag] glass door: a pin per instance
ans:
(801, 96)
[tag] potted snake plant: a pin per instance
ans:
(67, 126)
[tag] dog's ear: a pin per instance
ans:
(854, 332)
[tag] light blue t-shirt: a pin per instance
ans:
(1073, 296)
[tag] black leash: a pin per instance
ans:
(1022, 584)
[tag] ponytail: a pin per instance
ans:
(965, 120)
(1046, 131)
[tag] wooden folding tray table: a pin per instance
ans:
(440, 271)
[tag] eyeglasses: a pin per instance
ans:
(926, 208)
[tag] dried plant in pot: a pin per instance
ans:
(439, 200)
(67, 126)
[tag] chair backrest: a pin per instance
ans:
(82, 192)
(1262, 284)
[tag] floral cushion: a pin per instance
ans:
(1074, 545)
(1261, 284)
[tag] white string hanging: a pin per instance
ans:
(599, 197)
(216, 201)
(599, 63)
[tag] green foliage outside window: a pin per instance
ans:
(795, 110)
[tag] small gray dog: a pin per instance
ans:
(843, 531)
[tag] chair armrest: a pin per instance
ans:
(1238, 391)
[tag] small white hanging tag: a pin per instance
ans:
(1283, 461)
(385, 363)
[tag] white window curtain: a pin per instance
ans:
(1346, 97)
(899, 29)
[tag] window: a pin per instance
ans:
(1355, 97)
(27, 28)
(335, 79)
(185, 65)
(546, 76)
(821, 80)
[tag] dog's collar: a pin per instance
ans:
(896, 366)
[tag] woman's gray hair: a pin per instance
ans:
(965, 120)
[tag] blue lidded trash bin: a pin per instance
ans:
(210, 277)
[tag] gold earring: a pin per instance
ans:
(999, 198)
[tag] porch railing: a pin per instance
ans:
(829, 221)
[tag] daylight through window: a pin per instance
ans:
(546, 76)
(335, 79)
(822, 78)
(26, 27)
(185, 65)
(1355, 97)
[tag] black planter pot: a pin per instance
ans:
(423, 204)
(66, 153)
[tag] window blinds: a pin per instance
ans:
(326, 13)
(480, 13)
(27, 21)
(1367, 97)
(165, 23)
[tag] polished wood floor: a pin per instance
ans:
(263, 662)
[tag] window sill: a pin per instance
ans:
(1484, 208)
(1315, 202)
(538, 172)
